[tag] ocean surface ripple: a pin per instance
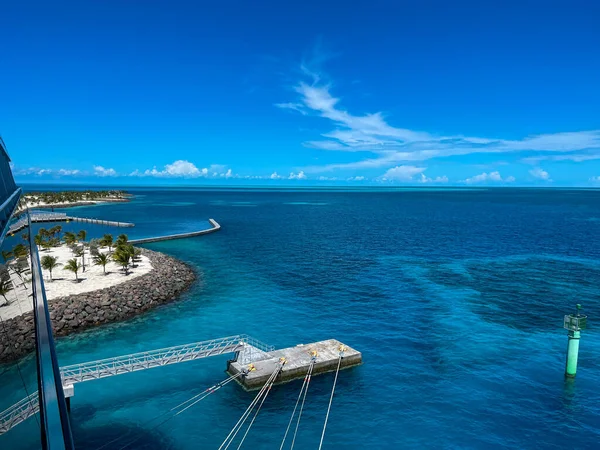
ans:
(455, 298)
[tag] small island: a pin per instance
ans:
(65, 199)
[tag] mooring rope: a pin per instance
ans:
(310, 369)
(342, 348)
(294, 411)
(202, 396)
(240, 423)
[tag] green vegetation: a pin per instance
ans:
(124, 253)
(49, 263)
(53, 198)
(20, 251)
(101, 259)
(73, 266)
(107, 241)
(69, 238)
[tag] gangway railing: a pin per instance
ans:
(245, 347)
(19, 412)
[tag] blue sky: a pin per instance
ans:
(362, 92)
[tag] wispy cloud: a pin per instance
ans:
(595, 179)
(540, 174)
(487, 177)
(392, 145)
(37, 171)
(589, 155)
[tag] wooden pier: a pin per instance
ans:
(213, 222)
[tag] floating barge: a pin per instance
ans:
(298, 360)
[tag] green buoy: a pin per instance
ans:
(574, 323)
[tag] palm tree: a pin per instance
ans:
(107, 241)
(25, 236)
(6, 255)
(43, 232)
(122, 258)
(69, 237)
(101, 259)
(49, 263)
(5, 288)
(82, 235)
(37, 239)
(20, 251)
(56, 230)
(122, 239)
(72, 266)
(80, 253)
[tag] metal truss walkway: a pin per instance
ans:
(246, 348)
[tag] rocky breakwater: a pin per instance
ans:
(168, 278)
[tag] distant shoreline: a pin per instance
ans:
(78, 203)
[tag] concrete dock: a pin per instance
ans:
(297, 363)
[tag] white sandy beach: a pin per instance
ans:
(64, 283)
(35, 204)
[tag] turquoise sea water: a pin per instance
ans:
(455, 298)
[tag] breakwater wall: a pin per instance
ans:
(168, 278)
(213, 222)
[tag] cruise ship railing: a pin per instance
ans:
(54, 417)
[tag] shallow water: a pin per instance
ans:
(455, 299)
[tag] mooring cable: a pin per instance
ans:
(302, 405)
(293, 413)
(236, 428)
(337, 371)
(205, 393)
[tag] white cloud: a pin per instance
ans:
(322, 178)
(102, 172)
(491, 176)
(357, 178)
(595, 179)
(402, 173)
(275, 176)
(185, 169)
(540, 174)
(297, 176)
(392, 145)
(68, 172)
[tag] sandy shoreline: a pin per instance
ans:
(43, 205)
(64, 282)
(77, 312)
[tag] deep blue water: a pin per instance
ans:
(455, 299)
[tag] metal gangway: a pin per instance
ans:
(246, 349)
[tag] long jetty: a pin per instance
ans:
(215, 227)
(62, 217)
